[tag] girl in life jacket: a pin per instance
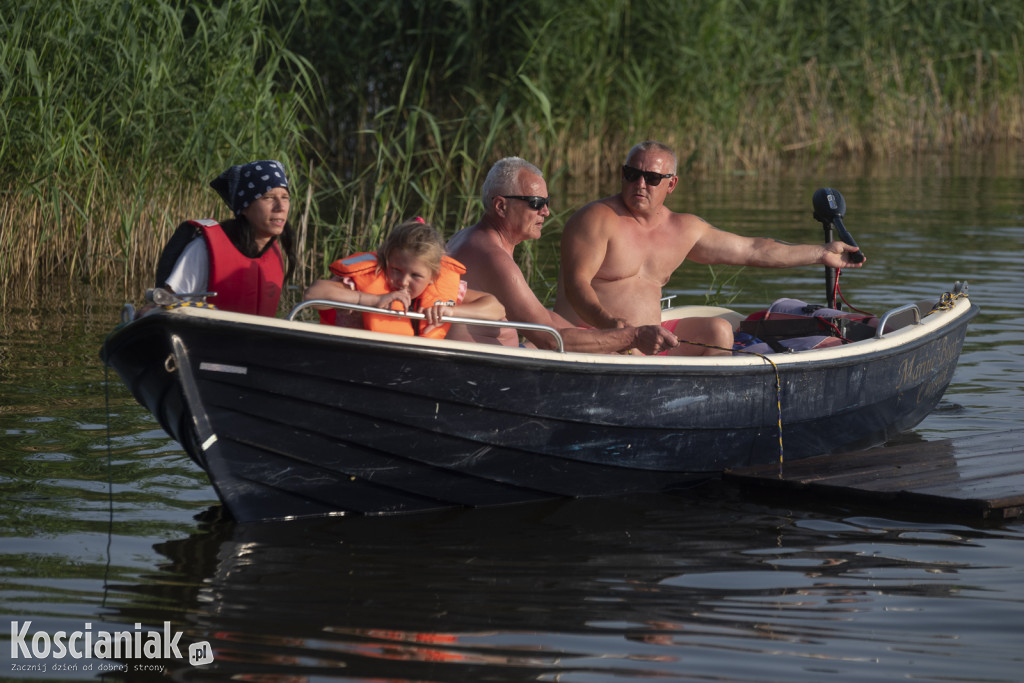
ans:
(409, 272)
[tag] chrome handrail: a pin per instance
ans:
(419, 316)
(880, 330)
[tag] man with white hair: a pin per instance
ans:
(515, 199)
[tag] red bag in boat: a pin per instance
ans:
(791, 324)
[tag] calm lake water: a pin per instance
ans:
(106, 523)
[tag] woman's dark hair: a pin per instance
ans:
(239, 231)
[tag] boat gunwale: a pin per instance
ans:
(897, 341)
(929, 350)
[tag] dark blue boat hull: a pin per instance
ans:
(289, 420)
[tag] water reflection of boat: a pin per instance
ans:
(635, 587)
(295, 419)
(406, 598)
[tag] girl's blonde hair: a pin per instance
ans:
(416, 238)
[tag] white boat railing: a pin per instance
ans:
(880, 331)
(945, 301)
(419, 316)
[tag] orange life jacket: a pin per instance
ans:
(362, 269)
(243, 284)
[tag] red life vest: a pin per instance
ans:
(362, 269)
(243, 284)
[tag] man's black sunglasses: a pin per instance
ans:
(650, 177)
(535, 203)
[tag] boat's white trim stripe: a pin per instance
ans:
(209, 442)
(222, 367)
(854, 350)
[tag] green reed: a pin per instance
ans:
(571, 86)
(114, 121)
(110, 112)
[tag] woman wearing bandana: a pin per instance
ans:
(240, 259)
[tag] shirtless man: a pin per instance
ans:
(515, 200)
(618, 252)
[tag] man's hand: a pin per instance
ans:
(653, 339)
(836, 255)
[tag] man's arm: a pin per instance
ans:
(718, 247)
(492, 270)
(526, 307)
(495, 272)
(481, 305)
(585, 241)
(522, 305)
(648, 339)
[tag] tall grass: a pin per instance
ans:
(115, 116)
(113, 121)
(421, 94)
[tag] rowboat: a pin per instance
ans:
(292, 419)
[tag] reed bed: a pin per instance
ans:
(114, 121)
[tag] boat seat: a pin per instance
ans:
(702, 312)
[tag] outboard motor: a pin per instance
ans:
(829, 209)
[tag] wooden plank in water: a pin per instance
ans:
(979, 475)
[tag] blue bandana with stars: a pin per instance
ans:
(240, 186)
